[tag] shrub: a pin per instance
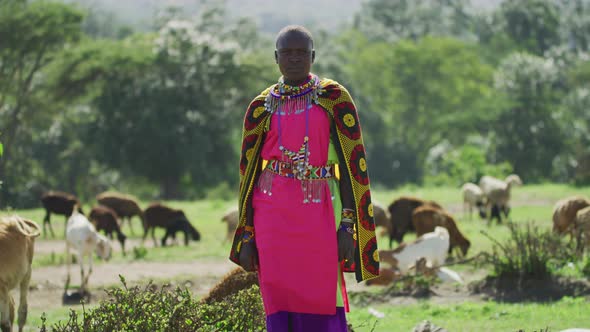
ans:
(149, 309)
(448, 165)
(528, 253)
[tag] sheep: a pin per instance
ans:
(233, 282)
(231, 218)
(425, 219)
(564, 213)
(498, 192)
(84, 239)
(432, 246)
(17, 244)
(158, 215)
(473, 197)
(400, 214)
(59, 203)
(583, 225)
(381, 218)
(125, 206)
(105, 219)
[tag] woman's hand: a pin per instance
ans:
(345, 246)
(249, 256)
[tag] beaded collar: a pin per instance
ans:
(293, 98)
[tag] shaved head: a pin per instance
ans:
(297, 30)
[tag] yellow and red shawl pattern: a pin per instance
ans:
(336, 100)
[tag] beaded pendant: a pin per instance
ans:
(286, 100)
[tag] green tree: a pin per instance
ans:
(527, 134)
(419, 93)
(532, 25)
(414, 19)
(30, 36)
(169, 105)
(575, 24)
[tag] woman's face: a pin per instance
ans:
(294, 55)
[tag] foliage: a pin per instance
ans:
(164, 106)
(412, 111)
(414, 19)
(150, 309)
(32, 34)
(447, 165)
(575, 24)
(529, 253)
(526, 131)
(531, 24)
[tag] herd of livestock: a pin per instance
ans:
(437, 231)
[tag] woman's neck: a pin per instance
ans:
(295, 82)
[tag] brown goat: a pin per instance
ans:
(564, 214)
(233, 282)
(17, 243)
(59, 203)
(400, 214)
(583, 226)
(105, 219)
(231, 218)
(158, 215)
(381, 218)
(426, 218)
(125, 206)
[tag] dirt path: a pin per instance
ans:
(43, 246)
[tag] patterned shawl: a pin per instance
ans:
(336, 100)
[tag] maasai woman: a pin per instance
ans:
(305, 206)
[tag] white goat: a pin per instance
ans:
(473, 197)
(84, 239)
(17, 242)
(432, 246)
(497, 193)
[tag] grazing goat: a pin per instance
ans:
(473, 197)
(564, 213)
(426, 219)
(431, 246)
(17, 242)
(400, 213)
(125, 206)
(85, 240)
(497, 192)
(105, 219)
(158, 215)
(381, 218)
(59, 203)
(583, 225)
(231, 219)
(233, 282)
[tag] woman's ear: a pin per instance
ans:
(276, 56)
(312, 56)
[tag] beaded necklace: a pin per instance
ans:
(287, 99)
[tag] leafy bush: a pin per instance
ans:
(528, 253)
(149, 309)
(448, 165)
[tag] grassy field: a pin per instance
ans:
(530, 203)
(490, 316)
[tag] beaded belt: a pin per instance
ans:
(288, 170)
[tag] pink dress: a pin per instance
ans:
(296, 241)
